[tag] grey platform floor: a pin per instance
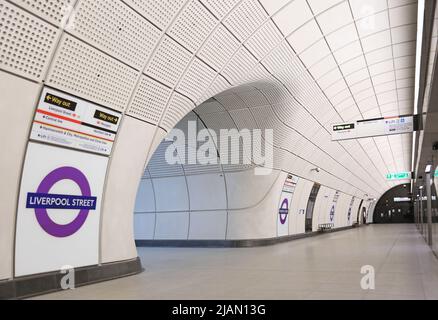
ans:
(322, 267)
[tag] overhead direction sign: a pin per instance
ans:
(374, 127)
(399, 176)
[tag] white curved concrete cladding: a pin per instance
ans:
(296, 66)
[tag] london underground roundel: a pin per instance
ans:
(332, 214)
(284, 211)
(43, 200)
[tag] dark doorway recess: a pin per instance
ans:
(395, 206)
(311, 207)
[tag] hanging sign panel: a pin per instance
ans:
(399, 176)
(65, 120)
(374, 128)
(59, 209)
(285, 203)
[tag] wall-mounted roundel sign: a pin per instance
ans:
(284, 211)
(43, 200)
(332, 214)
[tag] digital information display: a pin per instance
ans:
(65, 120)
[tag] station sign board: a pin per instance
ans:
(59, 209)
(285, 205)
(374, 128)
(65, 120)
(399, 176)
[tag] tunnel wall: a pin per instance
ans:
(208, 207)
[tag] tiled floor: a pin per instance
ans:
(323, 267)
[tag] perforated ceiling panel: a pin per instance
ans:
(161, 13)
(82, 70)
(219, 48)
(179, 106)
(240, 65)
(125, 35)
(26, 42)
(195, 19)
(197, 79)
(149, 100)
(55, 12)
(168, 62)
(245, 19)
(220, 8)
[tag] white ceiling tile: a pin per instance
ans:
(390, 108)
(404, 33)
(383, 78)
(365, 94)
(357, 76)
(365, 8)
(293, 16)
(397, 3)
(347, 103)
(353, 50)
(335, 18)
(342, 37)
(363, 85)
(403, 15)
(404, 83)
(353, 65)
(387, 97)
(321, 68)
(340, 97)
(379, 55)
(404, 62)
(368, 104)
(273, 6)
(404, 73)
(371, 114)
(315, 53)
(381, 67)
(336, 88)
(330, 78)
(319, 6)
(404, 49)
(351, 114)
(374, 24)
(305, 36)
(385, 87)
(406, 93)
(376, 41)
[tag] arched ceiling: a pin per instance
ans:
(296, 65)
(326, 62)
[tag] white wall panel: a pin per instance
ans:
(16, 129)
(171, 194)
(145, 201)
(124, 173)
(144, 226)
(207, 192)
(172, 226)
(245, 189)
(258, 222)
(208, 225)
